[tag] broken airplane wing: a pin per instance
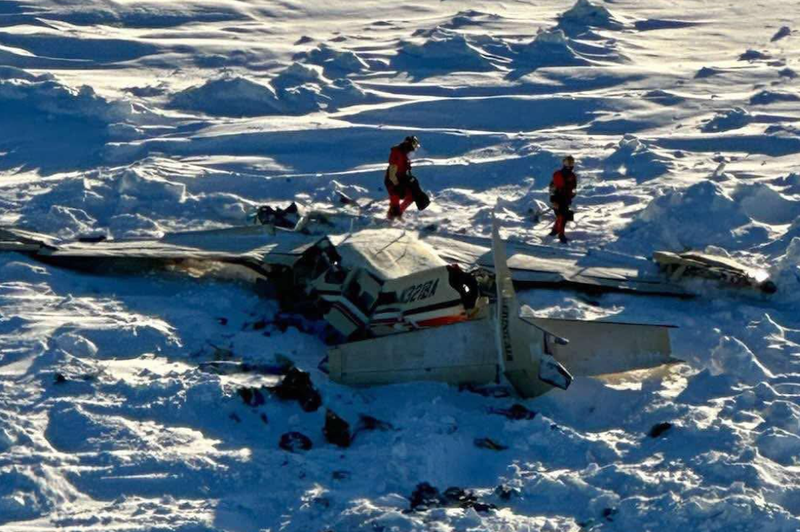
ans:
(262, 245)
(533, 265)
(258, 246)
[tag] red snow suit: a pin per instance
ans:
(562, 190)
(398, 157)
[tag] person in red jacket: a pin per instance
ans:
(398, 179)
(562, 191)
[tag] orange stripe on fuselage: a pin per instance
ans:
(444, 320)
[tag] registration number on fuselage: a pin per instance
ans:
(418, 292)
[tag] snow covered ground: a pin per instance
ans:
(134, 118)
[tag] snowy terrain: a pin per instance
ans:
(129, 118)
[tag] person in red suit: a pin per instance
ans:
(398, 179)
(562, 191)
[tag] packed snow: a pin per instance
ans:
(130, 119)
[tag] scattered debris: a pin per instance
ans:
(366, 422)
(608, 514)
(251, 396)
(516, 412)
(506, 493)
(287, 218)
(336, 429)
(295, 441)
(60, 378)
(297, 386)
(344, 199)
(488, 443)
(716, 267)
(465, 499)
(426, 497)
(659, 429)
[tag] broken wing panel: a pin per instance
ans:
(262, 244)
(12, 239)
(600, 348)
(537, 265)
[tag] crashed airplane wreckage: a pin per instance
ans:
(407, 308)
(714, 267)
(533, 354)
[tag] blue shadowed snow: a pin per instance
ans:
(133, 119)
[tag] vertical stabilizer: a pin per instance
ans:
(521, 348)
(506, 299)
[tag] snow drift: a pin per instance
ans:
(443, 50)
(585, 14)
(37, 97)
(229, 97)
(693, 218)
(634, 159)
(334, 62)
(299, 89)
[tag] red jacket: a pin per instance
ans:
(399, 158)
(564, 184)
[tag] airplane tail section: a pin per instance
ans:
(522, 349)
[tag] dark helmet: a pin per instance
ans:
(568, 161)
(412, 141)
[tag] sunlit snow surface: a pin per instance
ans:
(134, 118)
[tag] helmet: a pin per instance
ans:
(412, 141)
(568, 161)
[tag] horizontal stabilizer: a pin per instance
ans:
(601, 348)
